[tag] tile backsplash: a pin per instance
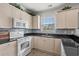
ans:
(17, 29)
(65, 31)
(36, 30)
(28, 31)
(57, 31)
(77, 32)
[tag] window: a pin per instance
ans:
(48, 24)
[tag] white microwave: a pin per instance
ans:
(17, 23)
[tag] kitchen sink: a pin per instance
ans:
(68, 42)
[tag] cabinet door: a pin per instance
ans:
(36, 22)
(27, 18)
(57, 46)
(5, 22)
(42, 43)
(24, 18)
(29, 21)
(5, 16)
(11, 49)
(49, 44)
(38, 42)
(8, 49)
(71, 18)
(5, 10)
(60, 20)
(35, 42)
(16, 13)
(23, 15)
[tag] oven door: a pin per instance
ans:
(23, 46)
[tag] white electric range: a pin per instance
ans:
(24, 46)
(23, 43)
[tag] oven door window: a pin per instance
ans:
(24, 45)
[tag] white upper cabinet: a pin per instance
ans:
(16, 13)
(5, 16)
(5, 22)
(67, 19)
(60, 20)
(36, 22)
(7, 12)
(29, 21)
(21, 15)
(27, 18)
(72, 18)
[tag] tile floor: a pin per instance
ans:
(36, 52)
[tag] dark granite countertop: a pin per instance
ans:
(6, 41)
(68, 40)
(72, 36)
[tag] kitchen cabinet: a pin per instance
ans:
(72, 18)
(5, 16)
(8, 49)
(34, 42)
(52, 45)
(48, 44)
(5, 10)
(16, 13)
(41, 43)
(27, 18)
(36, 22)
(5, 22)
(57, 46)
(21, 15)
(29, 21)
(60, 20)
(67, 19)
(9, 12)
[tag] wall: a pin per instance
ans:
(53, 11)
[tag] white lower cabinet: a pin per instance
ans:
(52, 45)
(8, 49)
(57, 46)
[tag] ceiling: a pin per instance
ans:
(37, 7)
